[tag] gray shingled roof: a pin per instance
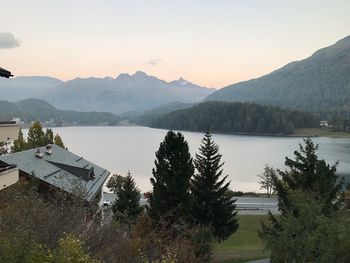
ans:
(52, 169)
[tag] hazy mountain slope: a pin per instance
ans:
(146, 117)
(20, 88)
(34, 109)
(126, 92)
(318, 83)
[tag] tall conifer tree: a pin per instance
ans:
(309, 176)
(127, 204)
(173, 170)
(308, 173)
(211, 207)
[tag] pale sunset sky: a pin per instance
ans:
(213, 43)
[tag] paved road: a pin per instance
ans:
(245, 205)
(256, 205)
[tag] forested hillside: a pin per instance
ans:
(236, 117)
(34, 109)
(320, 83)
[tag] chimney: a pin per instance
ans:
(38, 153)
(91, 174)
(49, 149)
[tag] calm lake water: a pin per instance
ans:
(120, 149)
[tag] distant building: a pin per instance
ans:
(8, 131)
(8, 173)
(324, 124)
(58, 169)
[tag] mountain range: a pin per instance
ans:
(137, 92)
(320, 83)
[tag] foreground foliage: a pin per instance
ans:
(310, 199)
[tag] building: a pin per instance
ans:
(8, 173)
(324, 124)
(59, 170)
(5, 73)
(8, 131)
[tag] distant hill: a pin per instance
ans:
(137, 92)
(145, 117)
(34, 109)
(236, 117)
(20, 88)
(320, 83)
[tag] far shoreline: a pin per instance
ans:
(298, 133)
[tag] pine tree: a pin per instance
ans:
(211, 206)
(173, 170)
(308, 173)
(58, 141)
(36, 135)
(127, 204)
(20, 144)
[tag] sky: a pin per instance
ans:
(211, 43)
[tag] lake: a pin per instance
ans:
(120, 149)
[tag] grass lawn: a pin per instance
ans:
(321, 133)
(243, 245)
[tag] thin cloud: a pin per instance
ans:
(8, 40)
(154, 62)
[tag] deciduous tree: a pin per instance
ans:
(20, 144)
(58, 141)
(266, 179)
(36, 135)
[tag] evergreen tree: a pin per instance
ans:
(211, 206)
(20, 144)
(173, 170)
(308, 173)
(58, 141)
(36, 136)
(49, 136)
(309, 237)
(127, 204)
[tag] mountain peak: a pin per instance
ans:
(123, 76)
(140, 74)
